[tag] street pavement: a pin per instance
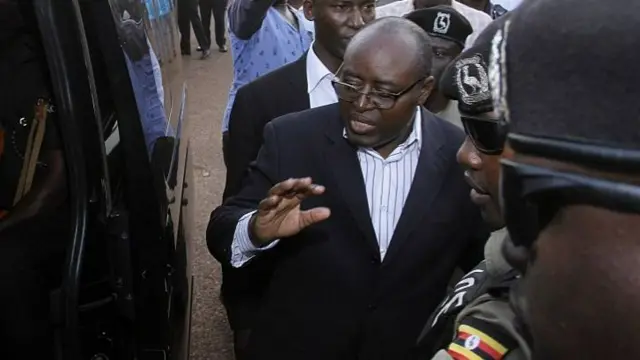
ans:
(208, 85)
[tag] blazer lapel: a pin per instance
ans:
(426, 184)
(342, 159)
(298, 95)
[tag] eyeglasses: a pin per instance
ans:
(379, 99)
(487, 135)
(531, 196)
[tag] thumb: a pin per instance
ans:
(312, 216)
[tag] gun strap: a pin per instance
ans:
(32, 153)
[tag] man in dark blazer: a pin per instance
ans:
(300, 85)
(297, 86)
(360, 268)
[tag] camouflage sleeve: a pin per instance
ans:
(486, 329)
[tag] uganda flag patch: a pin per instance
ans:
(480, 340)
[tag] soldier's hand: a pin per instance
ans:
(279, 214)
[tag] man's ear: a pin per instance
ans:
(307, 9)
(426, 89)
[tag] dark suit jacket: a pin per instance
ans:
(330, 296)
(277, 93)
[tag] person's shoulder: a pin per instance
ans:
(475, 17)
(396, 8)
(453, 134)
(306, 122)
(303, 129)
(276, 78)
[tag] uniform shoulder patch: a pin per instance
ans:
(480, 340)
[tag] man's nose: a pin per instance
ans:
(356, 20)
(467, 155)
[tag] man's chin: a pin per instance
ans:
(492, 217)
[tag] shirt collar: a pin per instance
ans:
(416, 133)
(316, 70)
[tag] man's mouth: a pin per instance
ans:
(474, 184)
(361, 125)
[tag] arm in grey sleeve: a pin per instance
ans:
(242, 249)
(246, 16)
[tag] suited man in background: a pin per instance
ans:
(218, 9)
(361, 263)
(302, 84)
(187, 16)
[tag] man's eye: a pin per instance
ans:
(384, 95)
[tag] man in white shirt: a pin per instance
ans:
(478, 19)
(397, 217)
(300, 85)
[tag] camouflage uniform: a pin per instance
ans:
(475, 321)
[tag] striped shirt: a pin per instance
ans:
(387, 183)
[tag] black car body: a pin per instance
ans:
(127, 286)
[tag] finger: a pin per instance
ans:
(269, 203)
(313, 216)
(307, 191)
(288, 185)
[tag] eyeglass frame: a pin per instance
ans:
(395, 96)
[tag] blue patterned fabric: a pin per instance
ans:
(275, 44)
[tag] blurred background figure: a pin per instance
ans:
(188, 16)
(218, 9)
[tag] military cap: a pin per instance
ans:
(466, 79)
(565, 70)
(443, 22)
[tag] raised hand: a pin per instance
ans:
(279, 214)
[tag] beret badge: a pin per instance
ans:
(472, 80)
(441, 23)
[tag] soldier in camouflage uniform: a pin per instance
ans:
(566, 81)
(476, 321)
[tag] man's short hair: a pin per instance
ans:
(393, 26)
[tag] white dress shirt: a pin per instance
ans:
(321, 93)
(478, 19)
(319, 87)
(387, 183)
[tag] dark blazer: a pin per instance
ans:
(330, 296)
(277, 93)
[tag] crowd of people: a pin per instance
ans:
(373, 161)
(419, 179)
